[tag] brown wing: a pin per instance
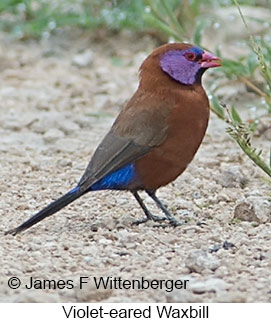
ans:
(141, 125)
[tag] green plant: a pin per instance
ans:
(177, 19)
(242, 131)
(33, 18)
(245, 68)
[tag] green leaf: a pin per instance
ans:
(216, 107)
(200, 27)
(252, 63)
(235, 115)
(233, 68)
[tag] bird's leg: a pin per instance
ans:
(148, 214)
(169, 216)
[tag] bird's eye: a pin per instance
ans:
(190, 56)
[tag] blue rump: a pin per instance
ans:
(117, 180)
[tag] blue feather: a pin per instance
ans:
(119, 179)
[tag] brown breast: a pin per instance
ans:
(188, 121)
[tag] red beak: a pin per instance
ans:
(209, 60)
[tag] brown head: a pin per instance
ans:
(177, 62)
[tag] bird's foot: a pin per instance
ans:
(174, 222)
(12, 232)
(154, 218)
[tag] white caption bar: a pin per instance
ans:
(105, 312)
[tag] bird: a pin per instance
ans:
(154, 137)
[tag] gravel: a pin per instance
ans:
(54, 111)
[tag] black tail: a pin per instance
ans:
(48, 210)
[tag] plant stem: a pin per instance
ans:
(155, 12)
(253, 155)
(172, 18)
(258, 51)
(255, 88)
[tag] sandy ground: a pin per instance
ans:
(55, 108)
